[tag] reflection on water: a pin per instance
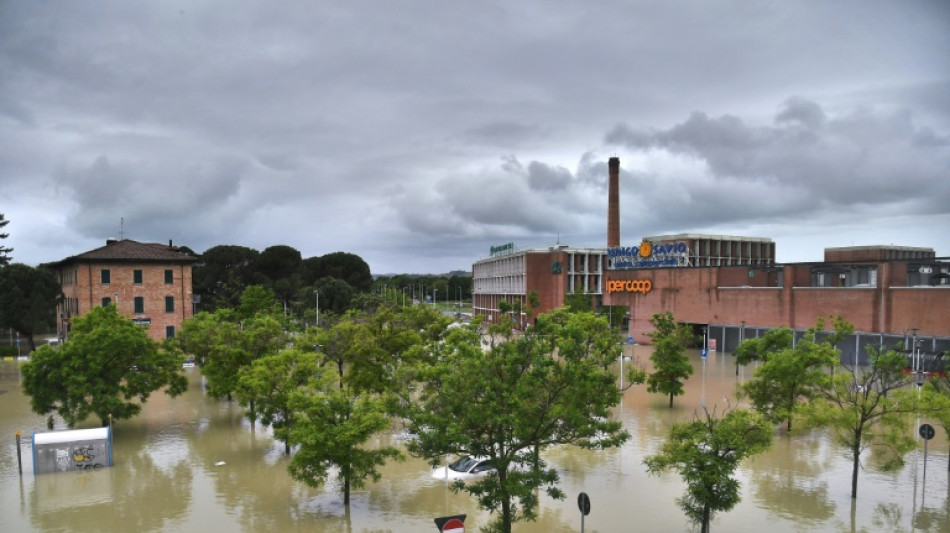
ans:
(169, 476)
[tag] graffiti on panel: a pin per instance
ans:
(85, 459)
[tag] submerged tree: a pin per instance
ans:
(867, 408)
(331, 429)
(760, 348)
(267, 385)
(671, 366)
(706, 452)
(550, 385)
(790, 376)
(109, 367)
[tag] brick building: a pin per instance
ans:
(729, 286)
(509, 275)
(149, 282)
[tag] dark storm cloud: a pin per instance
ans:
(410, 131)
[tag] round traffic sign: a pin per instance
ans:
(927, 431)
(453, 525)
(583, 503)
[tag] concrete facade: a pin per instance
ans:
(150, 283)
(551, 273)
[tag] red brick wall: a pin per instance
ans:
(89, 291)
(717, 295)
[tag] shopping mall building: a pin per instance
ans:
(727, 287)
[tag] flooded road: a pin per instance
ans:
(168, 477)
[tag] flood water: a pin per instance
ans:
(166, 478)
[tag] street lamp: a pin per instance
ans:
(316, 295)
(435, 298)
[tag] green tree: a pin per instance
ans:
(331, 429)
(336, 295)
(225, 342)
(790, 376)
(256, 300)
(28, 300)
(706, 453)
(267, 384)
(866, 408)
(759, 348)
(222, 274)
(109, 367)
(578, 301)
(344, 266)
(524, 393)
(4, 251)
(671, 366)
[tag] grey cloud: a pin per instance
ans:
(859, 157)
(542, 177)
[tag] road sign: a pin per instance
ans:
(926, 431)
(583, 503)
(454, 525)
(451, 524)
(629, 340)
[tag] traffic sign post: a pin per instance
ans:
(583, 503)
(927, 432)
(451, 524)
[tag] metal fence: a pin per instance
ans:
(854, 347)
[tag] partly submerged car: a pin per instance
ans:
(467, 467)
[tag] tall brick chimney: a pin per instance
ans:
(613, 202)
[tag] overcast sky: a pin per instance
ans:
(417, 134)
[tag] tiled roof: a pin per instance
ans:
(129, 250)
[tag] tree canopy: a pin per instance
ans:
(867, 408)
(671, 366)
(109, 367)
(550, 385)
(4, 250)
(790, 376)
(28, 299)
(706, 452)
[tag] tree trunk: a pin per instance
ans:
(505, 501)
(671, 400)
(705, 526)
(346, 491)
(855, 466)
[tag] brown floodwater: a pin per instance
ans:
(168, 476)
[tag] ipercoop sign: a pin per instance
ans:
(642, 286)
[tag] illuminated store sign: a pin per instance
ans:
(642, 286)
(648, 255)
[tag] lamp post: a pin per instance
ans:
(741, 338)
(316, 307)
(435, 298)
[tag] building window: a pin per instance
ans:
(106, 276)
(139, 304)
(169, 332)
(106, 301)
(169, 277)
(137, 276)
(169, 304)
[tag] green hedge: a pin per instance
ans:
(7, 351)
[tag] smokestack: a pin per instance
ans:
(613, 202)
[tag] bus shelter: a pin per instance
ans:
(72, 450)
